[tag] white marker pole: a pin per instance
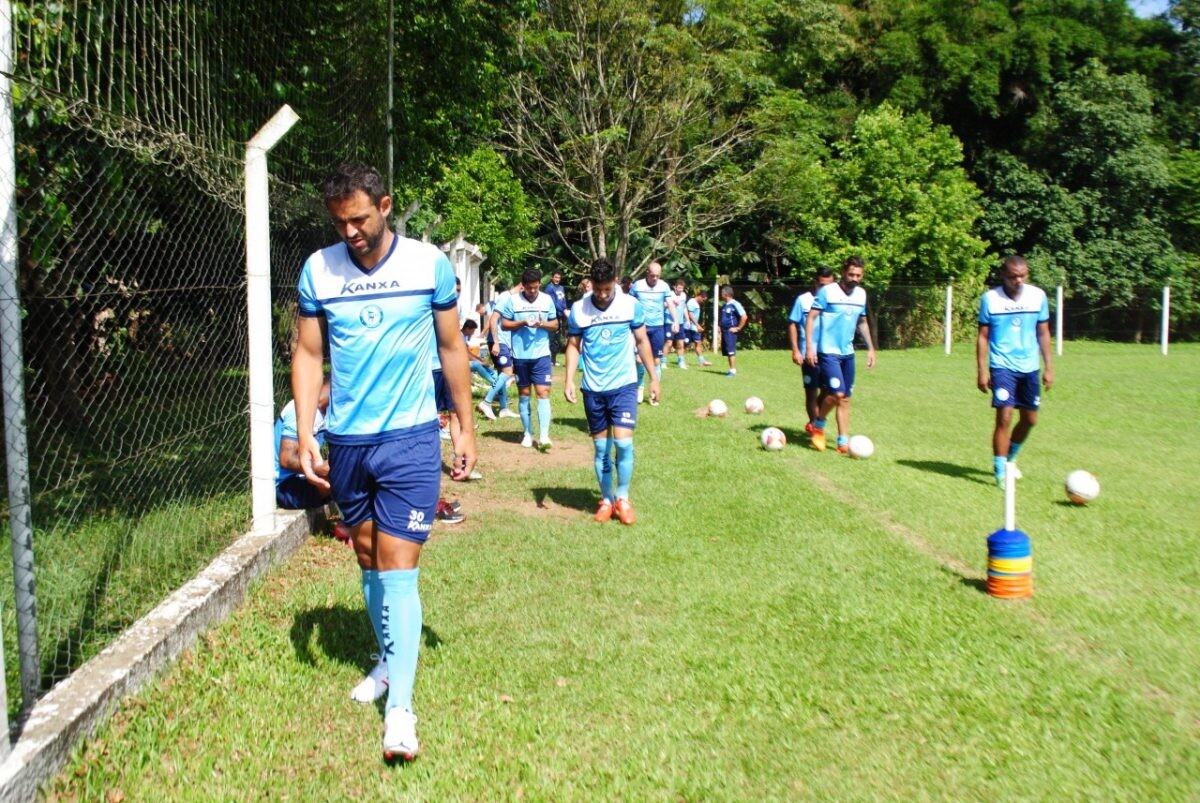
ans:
(949, 308)
(1166, 319)
(1010, 496)
(1058, 320)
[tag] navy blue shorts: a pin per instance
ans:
(538, 371)
(611, 408)
(694, 336)
(1015, 389)
(297, 493)
(812, 376)
(837, 373)
(504, 358)
(441, 393)
(655, 336)
(670, 334)
(728, 343)
(395, 483)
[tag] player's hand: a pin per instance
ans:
(655, 388)
(313, 464)
(569, 392)
(675, 328)
(811, 357)
(1047, 378)
(495, 349)
(465, 464)
(796, 357)
(871, 358)
(984, 383)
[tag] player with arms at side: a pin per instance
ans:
(796, 327)
(380, 300)
(530, 317)
(1014, 326)
(655, 297)
(604, 328)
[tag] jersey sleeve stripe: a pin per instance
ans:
(427, 291)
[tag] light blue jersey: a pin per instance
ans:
(693, 306)
(494, 306)
(799, 315)
(529, 343)
(381, 336)
(653, 300)
(677, 314)
(840, 313)
(607, 342)
(1012, 327)
(285, 427)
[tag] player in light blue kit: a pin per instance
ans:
(499, 343)
(695, 330)
(380, 301)
(840, 308)
(605, 328)
(796, 320)
(653, 294)
(678, 316)
(1014, 327)
(530, 316)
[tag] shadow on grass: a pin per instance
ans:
(343, 634)
(576, 498)
(969, 473)
(977, 583)
(504, 435)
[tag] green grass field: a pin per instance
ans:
(775, 626)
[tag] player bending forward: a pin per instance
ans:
(604, 327)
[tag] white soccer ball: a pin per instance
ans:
(861, 447)
(754, 405)
(773, 439)
(717, 407)
(1082, 486)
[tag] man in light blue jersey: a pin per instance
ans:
(1014, 327)
(381, 302)
(838, 309)
(530, 317)
(732, 320)
(796, 321)
(558, 294)
(694, 311)
(605, 328)
(679, 322)
(500, 346)
(652, 293)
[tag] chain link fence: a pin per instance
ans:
(131, 119)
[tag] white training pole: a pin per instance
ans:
(1058, 320)
(716, 321)
(1166, 318)
(1010, 496)
(258, 308)
(949, 307)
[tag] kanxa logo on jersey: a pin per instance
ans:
(354, 288)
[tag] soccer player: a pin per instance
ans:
(1014, 327)
(606, 328)
(695, 331)
(733, 320)
(530, 316)
(838, 309)
(558, 294)
(652, 292)
(292, 489)
(679, 332)
(500, 347)
(379, 301)
(796, 327)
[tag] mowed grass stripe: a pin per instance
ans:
(752, 637)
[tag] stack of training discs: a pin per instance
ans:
(1010, 565)
(1010, 556)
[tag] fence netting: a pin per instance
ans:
(131, 118)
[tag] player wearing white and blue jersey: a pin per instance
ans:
(499, 343)
(653, 294)
(380, 301)
(1014, 330)
(796, 326)
(606, 330)
(530, 316)
(838, 310)
(679, 321)
(695, 330)
(732, 319)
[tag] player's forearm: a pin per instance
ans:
(981, 352)
(865, 331)
(793, 336)
(308, 374)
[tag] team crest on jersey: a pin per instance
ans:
(606, 334)
(371, 316)
(1016, 323)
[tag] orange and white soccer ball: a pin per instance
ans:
(773, 439)
(754, 405)
(1082, 486)
(717, 407)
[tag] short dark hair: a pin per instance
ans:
(823, 272)
(350, 177)
(602, 271)
(530, 276)
(727, 288)
(468, 324)
(1012, 260)
(854, 262)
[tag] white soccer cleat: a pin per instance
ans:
(373, 686)
(641, 393)
(400, 735)
(527, 441)
(507, 413)
(487, 411)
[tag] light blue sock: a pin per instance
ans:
(544, 418)
(401, 616)
(641, 373)
(819, 423)
(604, 472)
(658, 371)
(843, 440)
(526, 413)
(502, 396)
(373, 597)
(998, 465)
(1013, 448)
(624, 466)
(497, 390)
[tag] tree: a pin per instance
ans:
(625, 125)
